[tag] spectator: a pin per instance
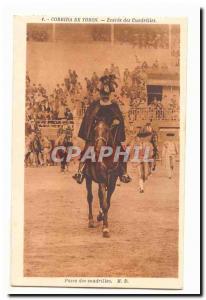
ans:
(68, 114)
(61, 114)
(89, 86)
(155, 65)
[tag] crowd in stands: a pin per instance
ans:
(40, 105)
(142, 38)
(100, 34)
(70, 98)
(38, 36)
(145, 38)
(175, 48)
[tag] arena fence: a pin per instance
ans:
(134, 114)
(55, 123)
(141, 114)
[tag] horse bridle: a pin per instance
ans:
(101, 138)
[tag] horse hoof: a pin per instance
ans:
(99, 218)
(105, 233)
(91, 224)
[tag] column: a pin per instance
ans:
(170, 43)
(53, 32)
(112, 34)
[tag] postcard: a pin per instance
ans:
(98, 151)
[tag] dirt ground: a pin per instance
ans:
(143, 227)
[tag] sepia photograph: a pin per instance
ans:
(102, 130)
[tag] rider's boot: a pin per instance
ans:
(79, 176)
(124, 177)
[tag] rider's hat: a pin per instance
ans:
(106, 86)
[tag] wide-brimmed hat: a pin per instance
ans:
(106, 86)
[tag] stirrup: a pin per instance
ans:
(79, 177)
(125, 178)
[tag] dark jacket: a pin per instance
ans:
(89, 118)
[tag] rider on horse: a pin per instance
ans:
(108, 111)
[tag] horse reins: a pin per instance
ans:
(106, 140)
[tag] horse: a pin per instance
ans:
(105, 173)
(28, 151)
(36, 147)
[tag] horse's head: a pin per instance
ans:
(102, 135)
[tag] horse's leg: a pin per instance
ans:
(63, 157)
(89, 200)
(110, 191)
(100, 215)
(64, 161)
(103, 201)
(35, 160)
(38, 159)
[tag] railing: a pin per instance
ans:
(142, 114)
(147, 113)
(81, 112)
(134, 114)
(55, 123)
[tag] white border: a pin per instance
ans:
(191, 253)
(18, 278)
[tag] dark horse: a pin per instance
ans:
(104, 173)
